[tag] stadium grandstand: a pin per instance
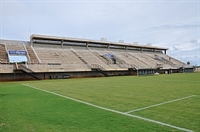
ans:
(53, 57)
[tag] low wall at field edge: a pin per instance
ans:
(59, 75)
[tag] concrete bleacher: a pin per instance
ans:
(57, 68)
(49, 59)
(120, 64)
(6, 68)
(89, 57)
(57, 58)
(46, 55)
(174, 62)
(140, 61)
(131, 60)
(57, 55)
(93, 57)
(146, 59)
(15, 46)
(86, 57)
(151, 57)
(3, 54)
(33, 58)
(159, 58)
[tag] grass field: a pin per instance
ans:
(123, 104)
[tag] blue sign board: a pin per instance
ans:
(109, 55)
(17, 52)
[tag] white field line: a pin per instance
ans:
(111, 110)
(167, 102)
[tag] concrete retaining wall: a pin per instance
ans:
(20, 76)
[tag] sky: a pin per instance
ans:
(173, 24)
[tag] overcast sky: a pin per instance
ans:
(165, 23)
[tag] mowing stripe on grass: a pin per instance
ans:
(167, 102)
(111, 110)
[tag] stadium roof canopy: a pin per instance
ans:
(87, 41)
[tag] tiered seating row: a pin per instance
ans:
(33, 57)
(60, 57)
(121, 65)
(15, 46)
(91, 58)
(6, 68)
(3, 54)
(127, 59)
(164, 60)
(55, 55)
(51, 59)
(59, 68)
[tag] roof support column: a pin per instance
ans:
(31, 42)
(165, 51)
(108, 46)
(86, 45)
(62, 43)
(126, 48)
(141, 50)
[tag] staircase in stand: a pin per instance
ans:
(3, 54)
(33, 57)
(97, 54)
(133, 67)
(24, 69)
(98, 68)
(80, 57)
(140, 60)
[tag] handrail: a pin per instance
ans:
(35, 54)
(26, 51)
(7, 52)
(97, 66)
(16, 65)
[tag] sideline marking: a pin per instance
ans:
(111, 110)
(167, 102)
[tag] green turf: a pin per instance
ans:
(26, 109)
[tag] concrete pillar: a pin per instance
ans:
(31, 42)
(62, 43)
(108, 46)
(86, 45)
